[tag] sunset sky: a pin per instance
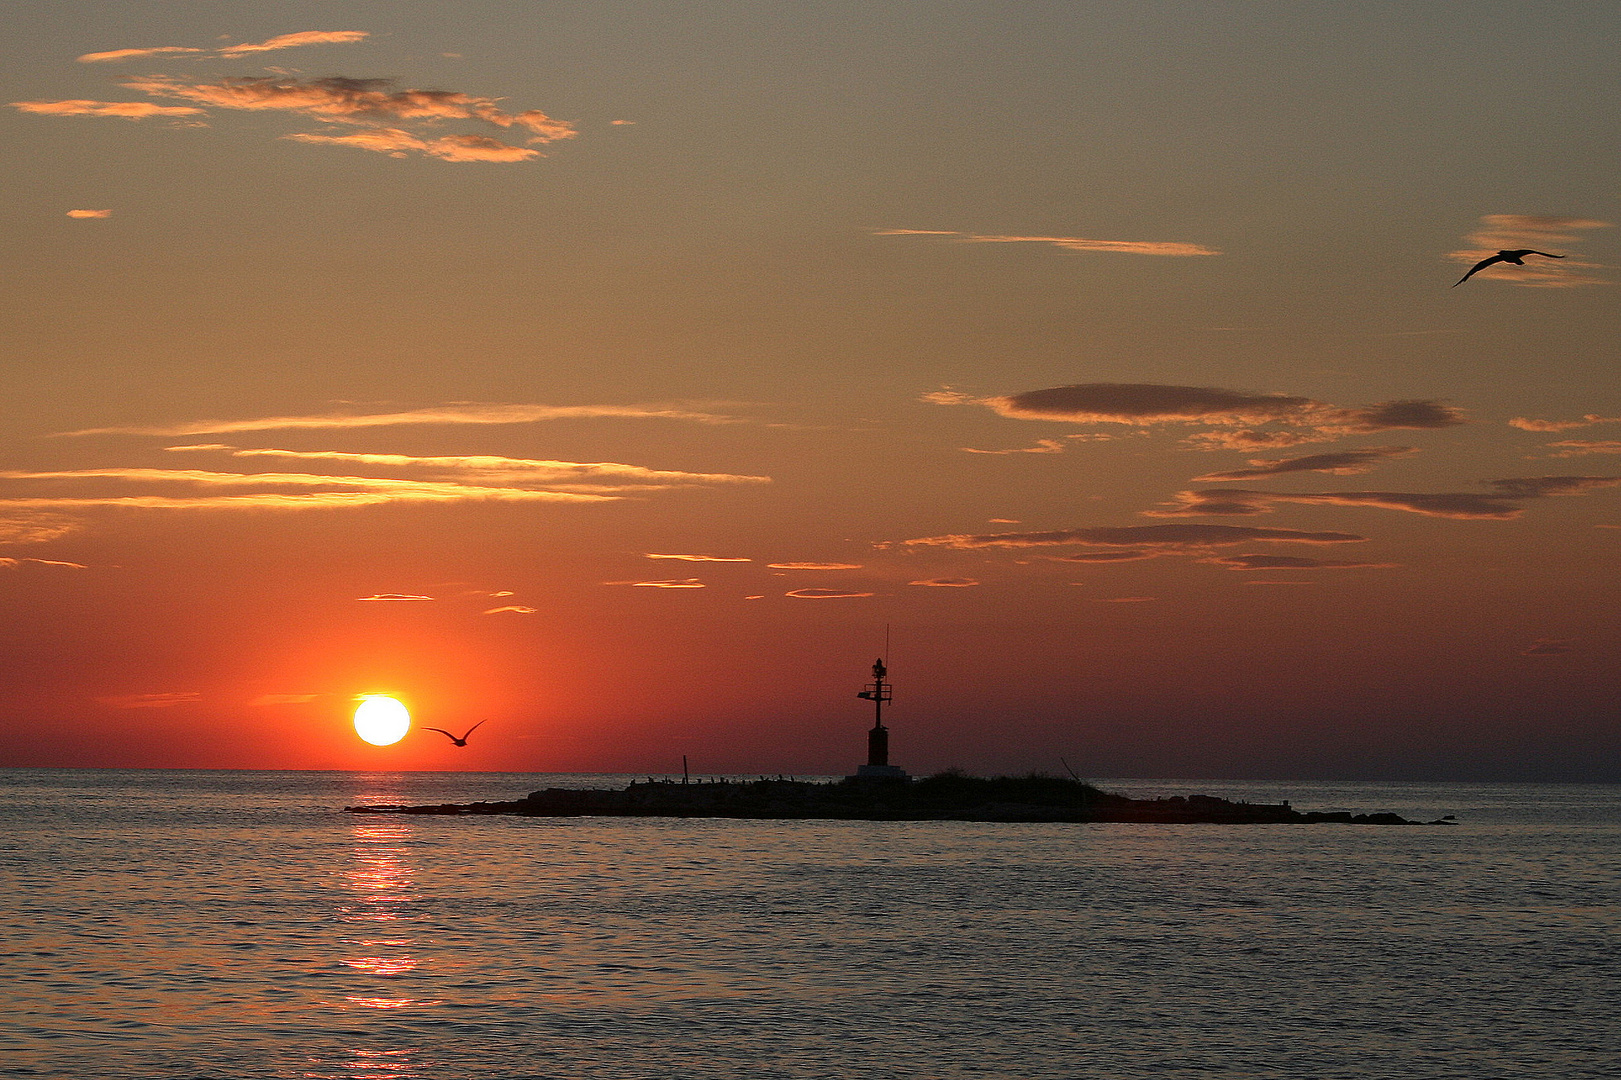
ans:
(614, 372)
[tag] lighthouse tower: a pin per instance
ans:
(878, 692)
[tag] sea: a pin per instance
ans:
(202, 925)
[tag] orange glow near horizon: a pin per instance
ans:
(381, 720)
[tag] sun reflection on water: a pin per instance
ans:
(380, 887)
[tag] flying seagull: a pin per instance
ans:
(1516, 257)
(461, 741)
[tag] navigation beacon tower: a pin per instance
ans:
(878, 691)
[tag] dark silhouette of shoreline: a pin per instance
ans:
(948, 796)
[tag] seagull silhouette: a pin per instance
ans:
(1516, 257)
(461, 741)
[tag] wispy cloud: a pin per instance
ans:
(124, 110)
(946, 582)
(595, 476)
(341, 490)
(1244, 420)
(1136, 536)
(670, 583)
(397, 143)
(825, 594)
(1501, 503)
(375, 114)
(33, 527)
(377, 107)
(1342, 463)
(698, 558)
(1527, 424)
(1580, 447)
(814, 566)
(150, 701)
(90, 213)
(1068, 243)
(283, 41)
(467, 413)
(515, 609)
(336, 98)
(283, 699)
(1498, 232)
(393, 596)
(7, 563)
(1549, 647)
(1043, 446)
(1290, 562)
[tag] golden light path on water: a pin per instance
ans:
(381, 720)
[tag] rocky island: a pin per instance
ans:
(948, 796)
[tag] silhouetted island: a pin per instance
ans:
(948, 796)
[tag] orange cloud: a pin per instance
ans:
(7, 563)
(128, 110)
(1069, 243)
(399, 143)
(1499, 232)
(674, 583)
(150, 701)
(445, 414)
(90, 213)
(1343, 463)
(285, 41)
(1500, 504)
(489, 468)
(1043, 446)
(814, 566)
(1549, 647)
(283, 699)
(303, 37)
(1140, 536)
(34, 528)
(384, 488)
(337, 98)
(1578, 447)
(393, 596)
(698, 558)
(825, 594)
(1290, 562)
(516, 609)
(946, 582)
(1526, 424)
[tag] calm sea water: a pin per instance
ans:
(235, 925)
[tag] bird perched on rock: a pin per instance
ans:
(454, 740)
(1516, 257)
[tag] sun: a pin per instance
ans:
(381, 720)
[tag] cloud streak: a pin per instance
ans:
(1254, 419)
(825, 594)
(448, 415)
(1290, 562)
(598, 476)
(1164, 537)
(1068, 243)
(1343, 463)
(1498, 232)
(283, 41)
(1502, 503)
(124, 110)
